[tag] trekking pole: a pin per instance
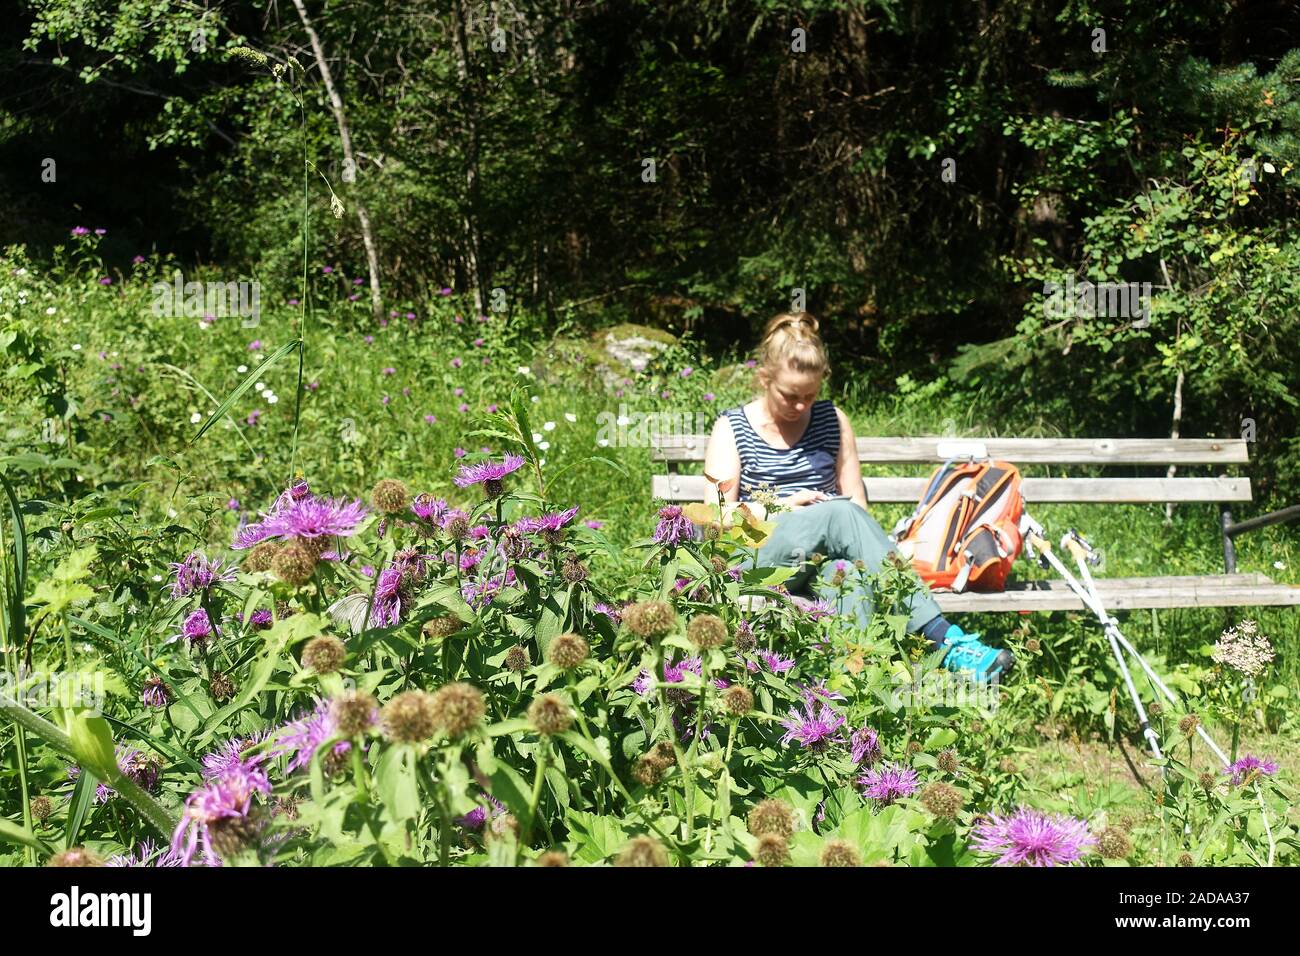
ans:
(1083, 554)
(1032, 532)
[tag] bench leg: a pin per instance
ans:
(1229, 549)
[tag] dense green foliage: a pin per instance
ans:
(796, 146)
(446, 208)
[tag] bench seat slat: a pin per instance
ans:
(1127, 594)
(1064, 451)
(1036, 490)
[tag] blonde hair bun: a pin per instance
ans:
(791, 340)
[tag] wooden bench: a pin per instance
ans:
(1229, 589)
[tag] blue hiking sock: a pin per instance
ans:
(936, 630)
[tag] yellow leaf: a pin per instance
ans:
(701, 514)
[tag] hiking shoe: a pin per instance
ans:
(968, 654)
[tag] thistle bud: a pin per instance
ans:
(1114, 844)
(771, 816)
(840, 853)
(355, 712)
(650, 619)
(41, 808)
(516, 659)
(458, 708)
(568, 651)
(324, 654)
(707, 631)
(75, 856)
(410, 717)
(260, 557)
(390, 496)
(947, 760)
(294, 564)
(441, 627)
(738, 700)
(221, 687)
(642, 851)
(773, 850)
(942, 800)
(550, 715)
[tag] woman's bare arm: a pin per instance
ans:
(722, 463)
(847, 467)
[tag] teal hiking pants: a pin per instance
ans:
(840, 530)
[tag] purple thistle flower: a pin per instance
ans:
(593, 524)
(865, 745)
(428, 508)
(314, 517)
(888, 783)
(131, 763)
(613, 613)
(674, 527)
(142, 857)
(229, 797)
(675, 673)
(299, 739)
(80, 231)
(816, 610)
(1249, 767)
(196, 574)
(233, 756)
(1032, 838)
(260, 620)
(488, 472)
(476, 818)
(197, 626)
(775, 662)
(810, 692)
(387, 607)
(815, 728)
(548, 525)
(155, 692)
(479, 595)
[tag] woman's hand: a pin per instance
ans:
(805, 497)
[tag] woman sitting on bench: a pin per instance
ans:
(788, 442)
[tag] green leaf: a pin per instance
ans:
(17, 834)
(244, 386)
(396, 783)
(92, 745)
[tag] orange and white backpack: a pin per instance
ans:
(965, 534)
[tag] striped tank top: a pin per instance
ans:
(808, 464)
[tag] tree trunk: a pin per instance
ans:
(345, 135)
(470, 216)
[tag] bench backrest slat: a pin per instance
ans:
(1036, 490)
(1064, 451)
